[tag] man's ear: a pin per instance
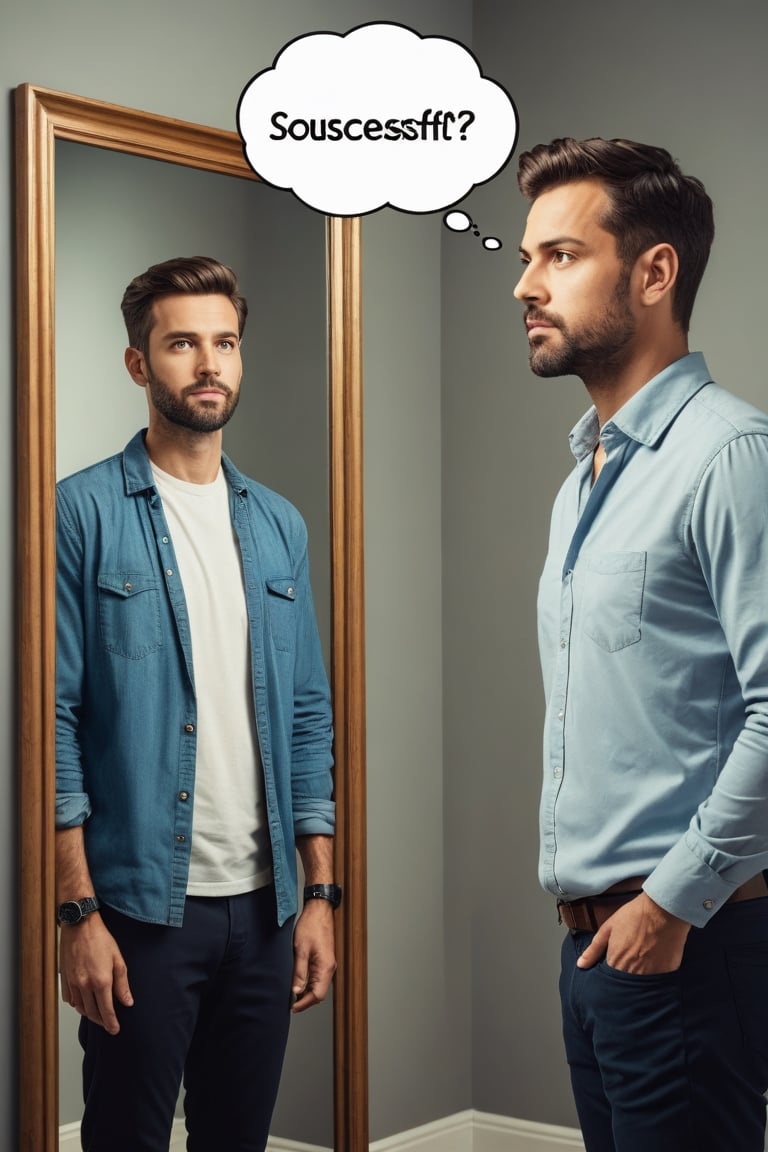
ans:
(656, 269)
(136, 365)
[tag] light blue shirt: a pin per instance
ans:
(126, 712)
(653, 633)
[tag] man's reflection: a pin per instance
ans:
(193, 749)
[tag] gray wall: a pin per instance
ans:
(689, 76)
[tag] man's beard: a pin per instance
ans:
(595, 350)
(201, 417)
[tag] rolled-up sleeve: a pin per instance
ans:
(312, 735)
(72, 802)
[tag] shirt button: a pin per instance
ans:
(165, 539)
(183, 795)
(169, 571)
(189, 727)
(181, 839)
(562, 643)
(128, 586)
(709, 904)
(557, 773)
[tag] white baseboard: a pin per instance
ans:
(503, 1134)
(465, 1132)
(69, 1140)
(279, 1144)
(69, 1137)
(451, 1132)
(472, 1131)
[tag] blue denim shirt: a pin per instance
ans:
(126, 717)
(653, 629)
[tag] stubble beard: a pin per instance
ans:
(595, 351)
(204, 416)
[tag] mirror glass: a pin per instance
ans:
(116, 214)
(303, 368)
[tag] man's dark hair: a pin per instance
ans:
(652, 202)
(188, 275)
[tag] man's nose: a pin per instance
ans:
(207, 362)
(529, 285)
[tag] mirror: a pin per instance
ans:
(43, 117)
(113, 213)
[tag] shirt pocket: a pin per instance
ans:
(613, 598)
(281, 609)
(129, 614)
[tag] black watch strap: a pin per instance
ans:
(329, 892)
(73, 911)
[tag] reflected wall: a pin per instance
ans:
(115, 215)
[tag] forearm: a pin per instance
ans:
(317, 858)
(73, 878)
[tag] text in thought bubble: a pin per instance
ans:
(377, 116)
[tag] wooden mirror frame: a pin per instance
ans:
(42, 117)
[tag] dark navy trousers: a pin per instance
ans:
(676, 1062)
(211, 1008)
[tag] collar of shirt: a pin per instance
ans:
(647, 415)
(137, 470)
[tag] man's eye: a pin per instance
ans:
(563, 257)
(227, 345)
(180, 344)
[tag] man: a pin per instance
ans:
(653, 627)
(193, 749)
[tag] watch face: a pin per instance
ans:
(70, 913)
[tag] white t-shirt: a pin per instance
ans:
(230, 842)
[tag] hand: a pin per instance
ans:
(314, 955)
(93, 972)
(641, 938)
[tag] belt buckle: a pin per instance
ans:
(568, 919)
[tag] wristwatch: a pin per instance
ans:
(329, 892)
(73, 911)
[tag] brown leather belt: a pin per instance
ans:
(590, 912)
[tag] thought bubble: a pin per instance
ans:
(459, 221)
(377, 116)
